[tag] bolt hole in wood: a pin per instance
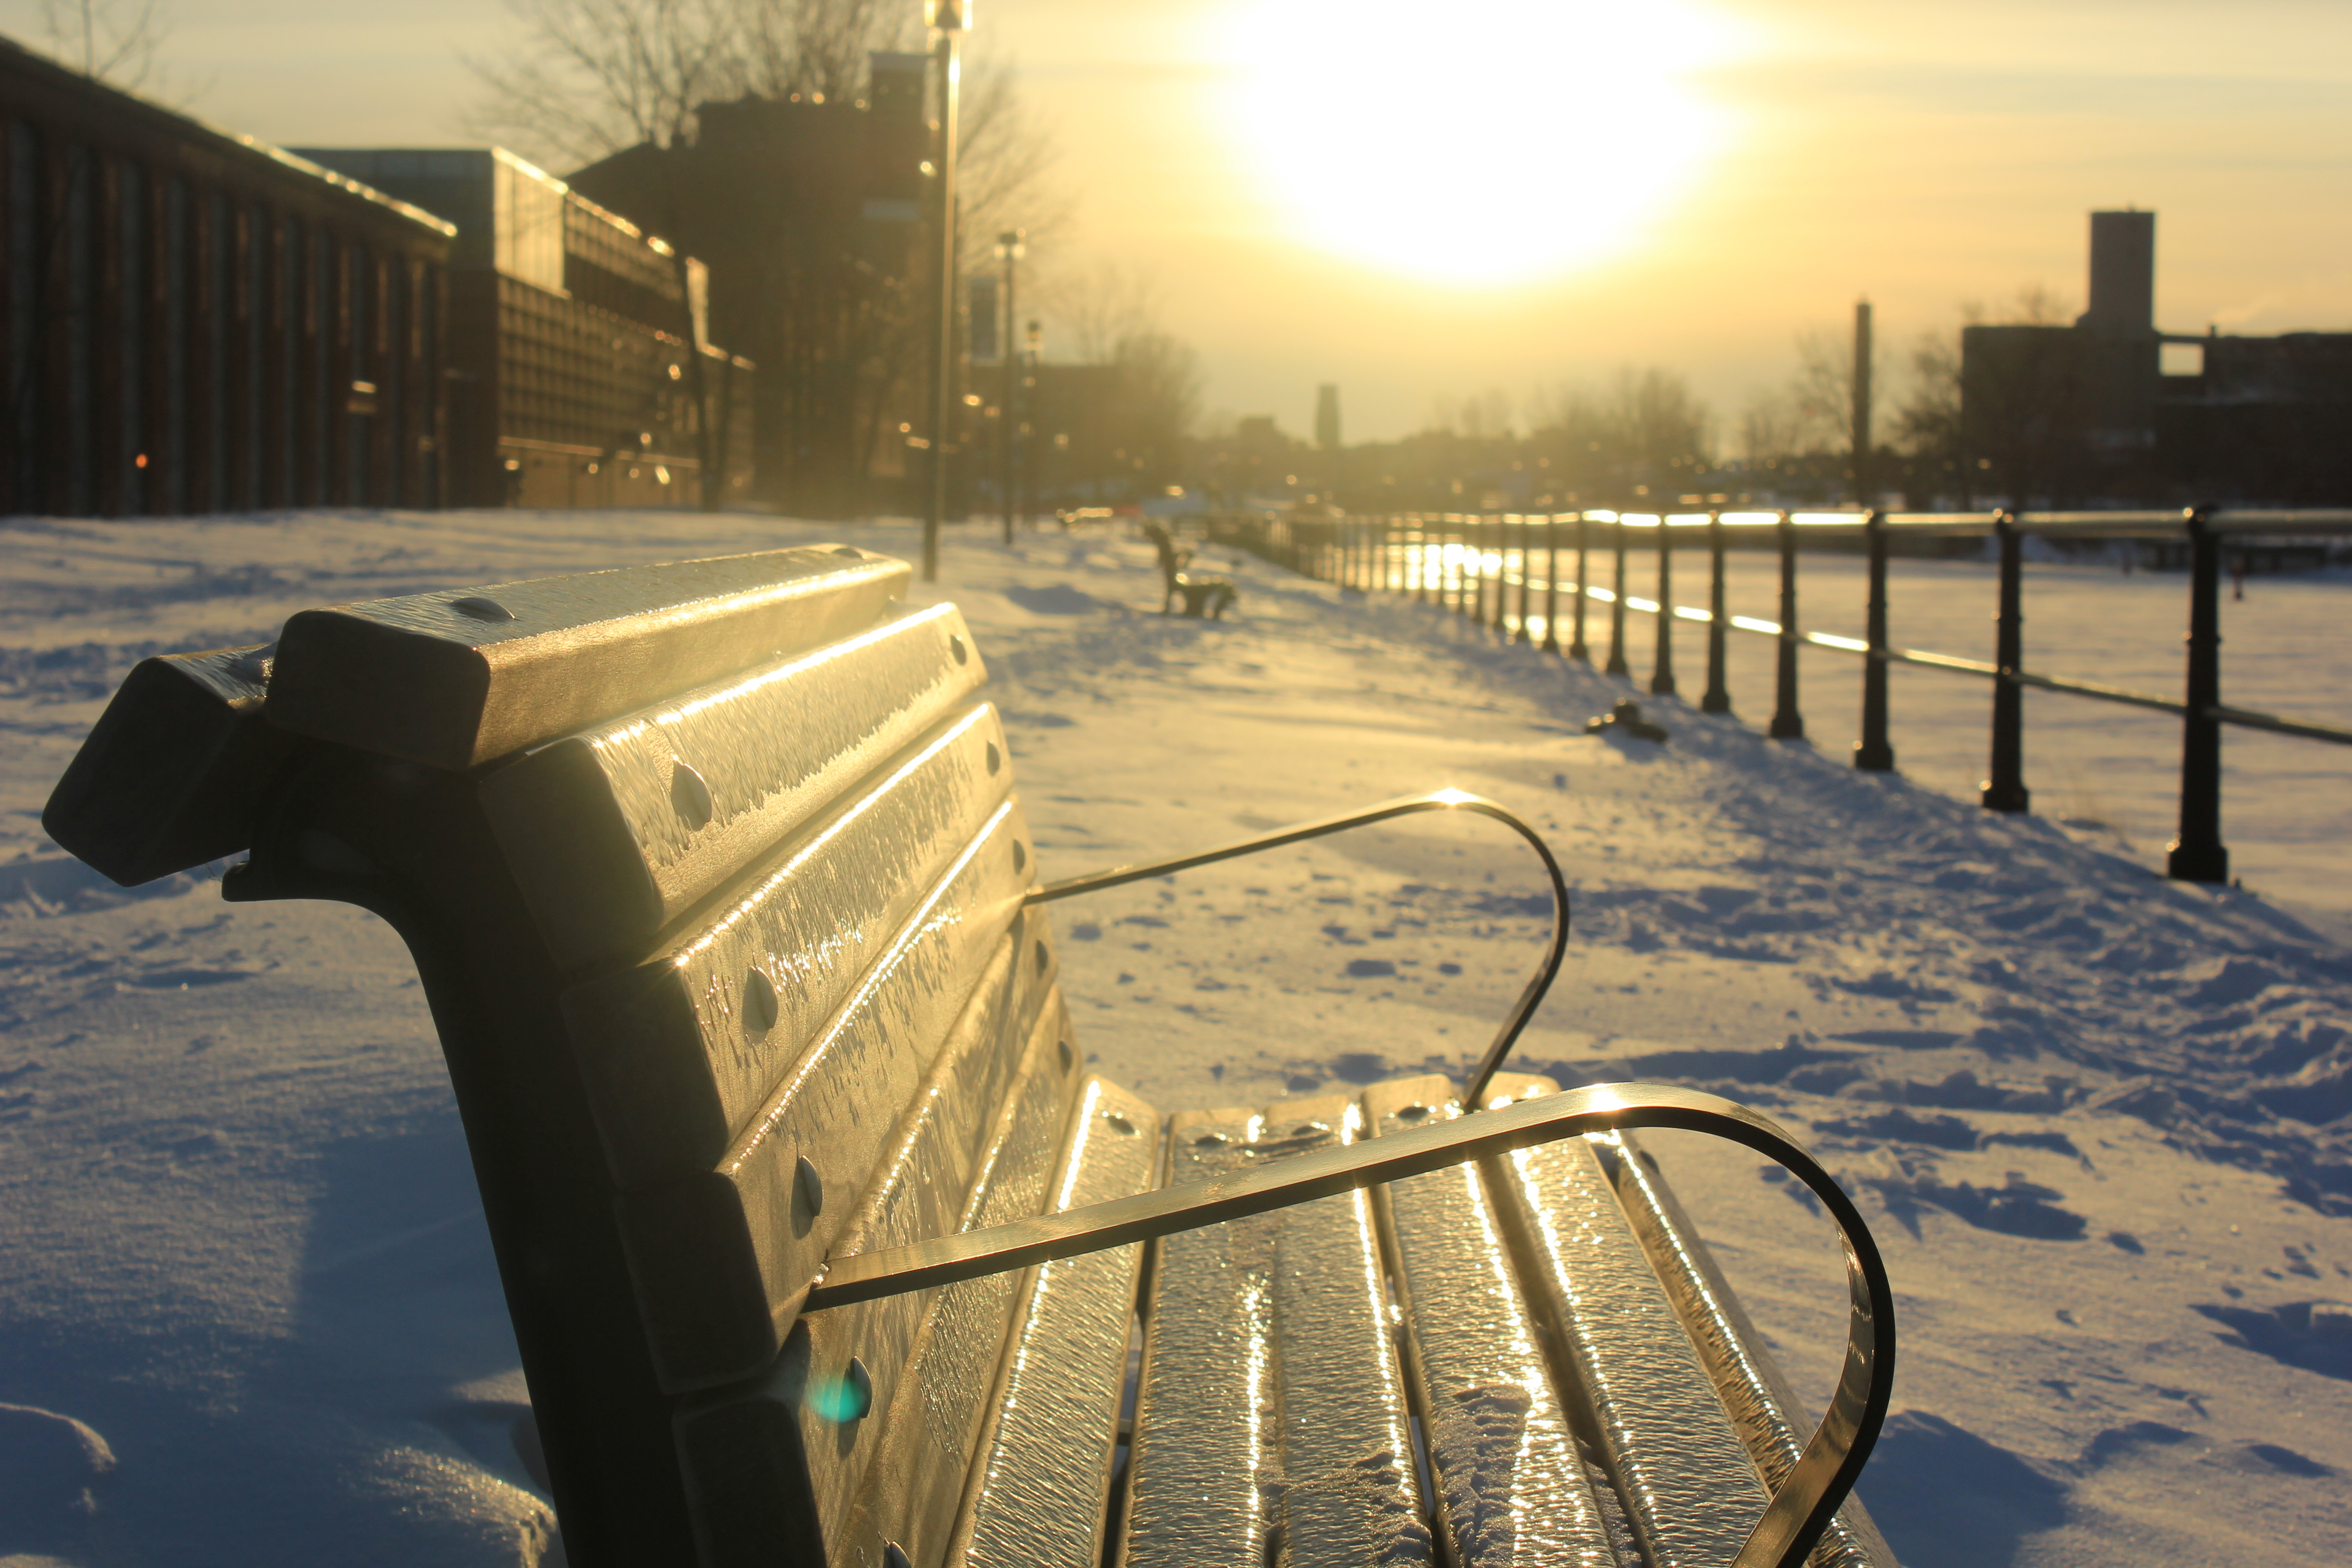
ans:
(478, 608)
(1020, 857)
(809, 1185)
(1069, 1057)
(956, 646)
(758, 1003)
(995, 758)
(689, 795)
(1044, 957)
(1119, 1124)
(848, 1398)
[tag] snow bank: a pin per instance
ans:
(2099, 1119)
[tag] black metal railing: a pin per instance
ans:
(1475, 565)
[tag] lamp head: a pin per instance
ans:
(948, 15)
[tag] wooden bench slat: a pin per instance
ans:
(916, 1486)
(681, 1051)
(1306, 1432)
(841, 1385)
(1687, 1483)
(1042, 1473)
(1205, 1468)
(1508, 1471)
(1348, 1492)
(463, 675)
(938, 1166)
(615, 832)
(172, 772)
(1755, 1392)
(722, 1259)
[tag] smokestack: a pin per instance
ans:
(2123, 275)
(1862, 490)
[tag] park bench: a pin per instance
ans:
(1204, 598)
(821, 1244)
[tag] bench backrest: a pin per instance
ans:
(714, 873)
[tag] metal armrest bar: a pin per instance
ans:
(1405, 806)
(1810, 1495)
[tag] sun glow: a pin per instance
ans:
(1474, 141)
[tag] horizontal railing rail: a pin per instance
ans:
(1474, 563)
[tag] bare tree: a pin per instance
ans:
(1769, 425)
(1004, 166)
(1640, 428)
(1099, 304)
(1660, 425)
(818, 47)
(596, 76)
(119, 42)
(1160, 385)
(1820, 397)
(1927, 417)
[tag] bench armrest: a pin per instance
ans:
(1800, 1510)
(1404, 805)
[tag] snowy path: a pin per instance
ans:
(237, 1236)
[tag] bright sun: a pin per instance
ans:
(1474, 141)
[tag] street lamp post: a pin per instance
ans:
(1009, 250)
(946, 20)
(1024, 476)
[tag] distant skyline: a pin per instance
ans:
(1797, 154)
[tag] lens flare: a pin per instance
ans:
(1477, 143)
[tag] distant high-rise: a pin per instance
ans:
(1326, 417)
(2123, 275)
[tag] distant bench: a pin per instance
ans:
(820, 1246)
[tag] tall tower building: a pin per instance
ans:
(1326, 417)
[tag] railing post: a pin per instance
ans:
(2005, 790)
(1617, 665)
(1552, 583)
(2197, 854)
(1576, 648)
(1481, 527)
(1502, 526)
(1718, 692)
(1662, 667)
(1527, 586)
(1458, 554)
(1788, 723)
(1875, 753)
(1475, 553)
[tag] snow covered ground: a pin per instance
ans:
(2097, 1118)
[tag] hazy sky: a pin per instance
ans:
(1434, 200)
